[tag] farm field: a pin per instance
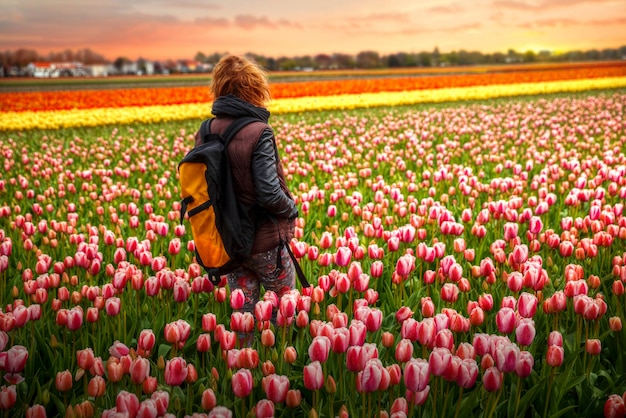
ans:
(466, 243)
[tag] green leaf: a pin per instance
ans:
(164, 349)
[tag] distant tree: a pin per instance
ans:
(609, 54)
(425, 59)
(592, 54)
(120, 62)
(286, 64)
(323, 61)
(344, 60)
(395, 60)
(368, 59)
(436, 56)
(200, 57)
(24, 57)
(530, 56)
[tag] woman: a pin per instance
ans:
(241, 88)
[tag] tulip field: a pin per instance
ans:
(464, 237)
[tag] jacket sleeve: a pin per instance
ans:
(269, 193)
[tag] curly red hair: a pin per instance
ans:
(240, 77)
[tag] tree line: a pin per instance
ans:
(364, 59)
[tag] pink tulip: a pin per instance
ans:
(161, 399)
(525, 332)
(319, 349)
(343, 256)
(313, 376)
(404, 350)
(492, 379)
(146, 341)
(175, 371)
(139, 370)
(276, 387)
(358, 331)
(242, 383)
(467, 373)
(371, 377)
(113, 306)
(74, 318)
(505, 320)
(15, 359)
(147, 409)
(127, 402)
(416, 374)
(525, 364)
(506, 357)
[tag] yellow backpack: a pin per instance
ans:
(223, 230)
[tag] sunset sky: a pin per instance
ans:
(164, 29)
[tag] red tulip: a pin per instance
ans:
(96, 386)
(404, 350)
(209, 321)
(139, 370)
(554, 356)
(8, 396)
(294, 398)
(593, 346)
(85, 358)
(208, 400)
(203, 344)
(615, 407)
(63, 381)
(449, 292)
(36, 411)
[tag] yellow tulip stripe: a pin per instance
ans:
(151, 114)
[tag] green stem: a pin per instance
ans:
(458, 404)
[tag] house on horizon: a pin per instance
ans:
(43, 69)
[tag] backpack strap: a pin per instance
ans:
(235, 126)
(205, 128)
